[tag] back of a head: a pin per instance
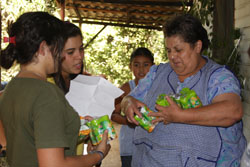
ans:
(71, 30)
(29, 30)
(189, 28)
(141, 51)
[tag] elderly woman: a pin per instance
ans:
(206, 136)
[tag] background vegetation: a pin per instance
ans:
(10, 10)
(108, 54)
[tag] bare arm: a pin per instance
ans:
(2, 135)
(225, 110)
(116, 115)
(54, 157)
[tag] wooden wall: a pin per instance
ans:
(242, 21)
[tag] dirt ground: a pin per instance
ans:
(113, 158)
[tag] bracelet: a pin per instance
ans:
(100, 153)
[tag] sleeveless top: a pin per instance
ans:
(127, 133)
(177, 144)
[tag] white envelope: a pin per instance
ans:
(92, 95)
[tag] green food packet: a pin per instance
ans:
(194, 100)
(161, 100)
(189, 99)
(107, 125)
(145, 121)
(92, 137)
(98, 126)
(96, 130)
(145, 124)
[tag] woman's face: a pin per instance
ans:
(184, 58)
(73, 54)
(140, 66)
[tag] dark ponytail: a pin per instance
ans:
(8, 56)
(29, 30)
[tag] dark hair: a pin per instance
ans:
(142, 52)
(29, 30)
(70, 30)
(189, 28)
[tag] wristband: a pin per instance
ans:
(100, 153)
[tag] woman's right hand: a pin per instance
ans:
(130, 106)
(104, 147)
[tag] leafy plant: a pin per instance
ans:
(117, 43)
(10, 11)
(108, 54)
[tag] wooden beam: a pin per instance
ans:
(132, 7)
(143, 22)
(95, 37)
(147, 2)
(125, 13)
(62, 9)
(159, 28)
(77, 11)
(119, 12)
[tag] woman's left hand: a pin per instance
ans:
(166, 114)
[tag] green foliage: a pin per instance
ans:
(108, 54)
(203, 9)
(10, 11)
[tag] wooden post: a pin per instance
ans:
(223, 29)
(0, 43)
(62, 11)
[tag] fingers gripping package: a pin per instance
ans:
(97, 128)
(186, 99)
(146, 121)
(84, 129)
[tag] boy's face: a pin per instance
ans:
(140, 66)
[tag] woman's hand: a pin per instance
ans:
(130, 106)
(225, 110)
(166, 114)
(104, 147)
